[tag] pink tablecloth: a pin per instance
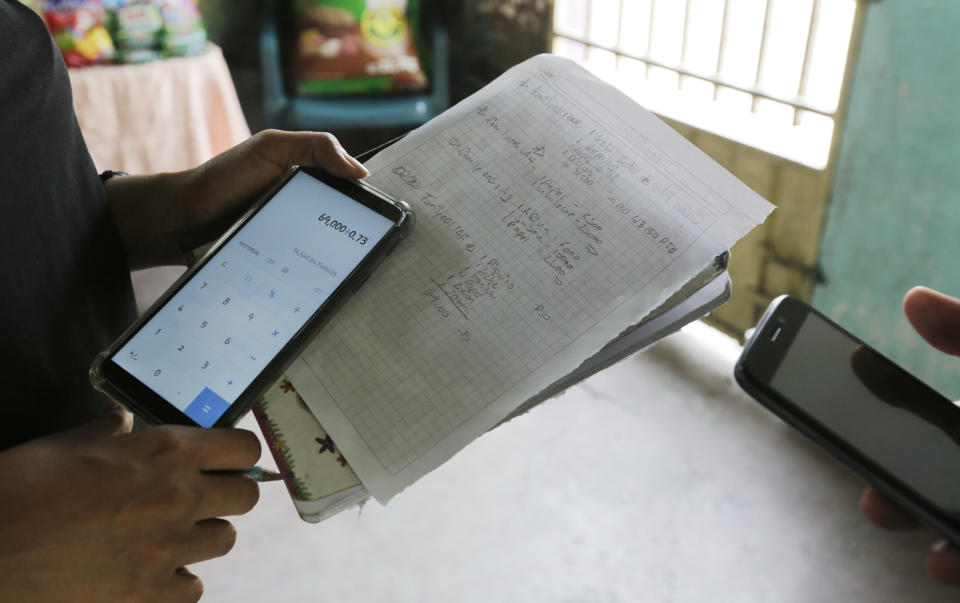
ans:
(160, 116)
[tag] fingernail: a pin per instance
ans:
(359, 165)
(939, 546)
(351, 160)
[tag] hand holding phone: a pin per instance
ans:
(936, 317)
(226, 330)
(886, 425)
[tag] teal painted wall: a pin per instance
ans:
(894, 218)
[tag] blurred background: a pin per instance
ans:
(840, 112)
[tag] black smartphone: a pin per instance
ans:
(890, 428)
(227, 329)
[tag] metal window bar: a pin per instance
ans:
(619, 31)
(754, 91)
(763, 51)
(684, 41)
(651, 20)
(798, 102)
(724, 29)
(807, 53)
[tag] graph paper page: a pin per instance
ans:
(551, 213)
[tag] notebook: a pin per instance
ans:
(559, 227)
(317, 475)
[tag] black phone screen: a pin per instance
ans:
(215, 335)
(875, 407)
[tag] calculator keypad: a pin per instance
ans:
(217, 333)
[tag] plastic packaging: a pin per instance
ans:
(77, 27)
(183, 30)
(357, 46)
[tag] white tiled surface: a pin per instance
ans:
(657, 480)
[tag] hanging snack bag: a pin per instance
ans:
(137, 29)
(77, 28)
(357, 46)
(183, 30)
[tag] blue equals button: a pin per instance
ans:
(206, 408)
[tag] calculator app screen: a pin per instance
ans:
(215, 335)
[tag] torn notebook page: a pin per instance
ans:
(552, 212)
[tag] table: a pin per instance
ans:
(164, 115)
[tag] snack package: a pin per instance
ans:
(77, 26)
(183, 30)
(137, 29)
(357, 46)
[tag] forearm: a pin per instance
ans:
(149, 211)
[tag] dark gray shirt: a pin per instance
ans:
(65, 289)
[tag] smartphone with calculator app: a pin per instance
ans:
(229, 327)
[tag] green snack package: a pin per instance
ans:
(357, 46)
(183, 30)
(137, 30)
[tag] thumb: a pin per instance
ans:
(114, 421)
(936, 317)
(309, 148)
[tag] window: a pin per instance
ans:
(767, 73)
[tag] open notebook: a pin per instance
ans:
(559, 228)
(318, 476)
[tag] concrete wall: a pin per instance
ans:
(780, 256)
(894, 218)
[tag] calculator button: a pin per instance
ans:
(206, 408)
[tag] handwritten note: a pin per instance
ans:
(551, 213)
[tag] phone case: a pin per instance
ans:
(274, 370)
(854, 462)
